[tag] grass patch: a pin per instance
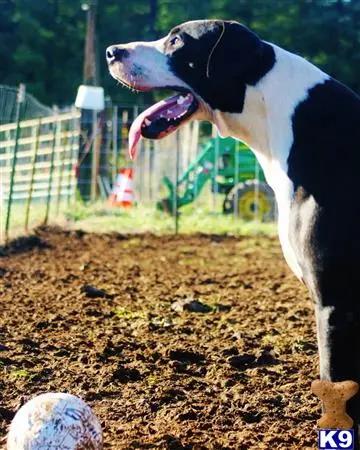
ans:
(147, 219)
(123, 313)
(36, 216)
(203, 216)
(153, 379)
(19, 374)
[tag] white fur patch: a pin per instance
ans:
(198, 28)
(323, 314)
(146, 66)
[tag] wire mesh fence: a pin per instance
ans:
(31, 108)
(37, 156)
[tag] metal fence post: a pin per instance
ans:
(61, 169)
(115, 124)
(32, 176)
(236, 180)
(51, 169)
(94, 156)
(70, 166)
(216, 173)
(72, 155)
(19, 104)
(257, 193)
(176, 190)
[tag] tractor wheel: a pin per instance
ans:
(165, 205)
(251, 200)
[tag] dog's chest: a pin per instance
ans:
(283, 188)
(284, 231)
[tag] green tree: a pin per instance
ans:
(42, 41)
(48, 55)
(8, 41)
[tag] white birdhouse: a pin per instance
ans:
(90, 97)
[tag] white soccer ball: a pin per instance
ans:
(57, 421)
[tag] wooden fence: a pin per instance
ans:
(37, 162)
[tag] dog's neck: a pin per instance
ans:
(265, 124)
(250, 126)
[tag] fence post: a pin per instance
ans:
(94, 156)
(72, 155)
(19, 104)
(176, 190)
(33, 168)
(257, 193)
(147, 179)
(61, 169)
(115, 125)
(216, 173)
(46, 218)
(236, 180)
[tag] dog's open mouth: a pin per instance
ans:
(162, 118)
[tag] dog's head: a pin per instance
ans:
(209, 62)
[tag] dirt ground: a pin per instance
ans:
(188, 342)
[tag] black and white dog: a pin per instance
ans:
(304, 128)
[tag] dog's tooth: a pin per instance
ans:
(147, 122)
(180, 100)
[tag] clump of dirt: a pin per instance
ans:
(229, 367)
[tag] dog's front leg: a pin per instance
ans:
(327, 253)
(338, 328)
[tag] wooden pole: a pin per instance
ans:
(90, 67)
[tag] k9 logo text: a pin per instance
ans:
(336, 439)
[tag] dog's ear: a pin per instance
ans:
(236, 53)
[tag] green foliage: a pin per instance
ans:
(42, 41)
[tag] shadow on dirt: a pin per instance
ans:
(23, 244)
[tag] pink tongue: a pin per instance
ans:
(135, 133)
(163, 106)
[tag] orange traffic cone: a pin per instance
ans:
(122, 194)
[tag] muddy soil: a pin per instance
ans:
(188, 342)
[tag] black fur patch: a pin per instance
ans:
(325, 156)
(324, 164)
(239, 58)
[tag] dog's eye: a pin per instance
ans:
(175, 41)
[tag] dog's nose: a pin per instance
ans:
(115, 53)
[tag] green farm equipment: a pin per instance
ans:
(232, 170)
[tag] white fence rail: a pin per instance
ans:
(46, 154)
